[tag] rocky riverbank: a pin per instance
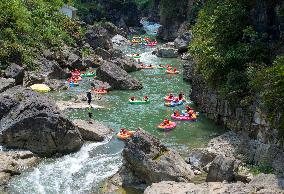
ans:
(33, 121)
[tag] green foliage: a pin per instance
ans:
(269, 82)
(258, 169)
(223, 43)
(29, 26)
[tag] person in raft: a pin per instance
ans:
(133, 98)
(89, 97)
(171, 96)
(180, 96)
(123, 131)
(90, 114)
(175, 69)
(146, 98)
(166, 122)
(176, 113)
(189, 110)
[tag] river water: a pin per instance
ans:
(83, 171)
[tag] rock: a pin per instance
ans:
(221, 169)
(48, 70)
(167, 52)
(261, 184)
(152, 162)
(6, 84)
(56, 85)
(201, 157)
(116, 53)
(100, 84)
(63, 105)
(13, 163)
(94, 131)
(126, 63)
(31, 78)
(16, 72)
(117, 77)
(111, 28)
(119, 40)
(182, 42)
(98, 37)
(186, 56)
(92, 61)
(103, 53)
(29, 120)
(136, 30)
(75, 62)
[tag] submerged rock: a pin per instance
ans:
(261, 184)
(29, 120)
(94, 131)
(117, 77)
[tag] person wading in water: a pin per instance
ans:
(89, 97)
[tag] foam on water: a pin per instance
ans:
(150, 27)
(74, 173)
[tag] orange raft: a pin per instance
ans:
(96, 91)
(125, 136)
(172, 72)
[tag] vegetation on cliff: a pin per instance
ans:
(238, 60)
(29, 26)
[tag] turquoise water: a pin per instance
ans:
(83, 171)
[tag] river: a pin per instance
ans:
(83, 171)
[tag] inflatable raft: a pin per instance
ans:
(168, 127)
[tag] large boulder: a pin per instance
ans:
(126, 63)
(221, 169)
(103, 53)
(261, 184)
(117, 77)
(97, 36)
(119, 40)
(48, 70)
(6, 84)
(182, 42)
(16, 72)
(152, 162)
(100, 84)
(94, 131)
(167, 51)
(29, 120)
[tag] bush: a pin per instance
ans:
(29, 26)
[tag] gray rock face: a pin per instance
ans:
(201, 157)
(13, 163)
(103, 53)
(167, 52)
(152, 162)
(222, 168)
(16, 72)
(49, 70)
(261, 184)
(6, 84)
(92, 132)
(117, 77)
(182, 42)
(126, 63)
(98, 37)
(31, 121)
(56, 85)
(119, 40)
